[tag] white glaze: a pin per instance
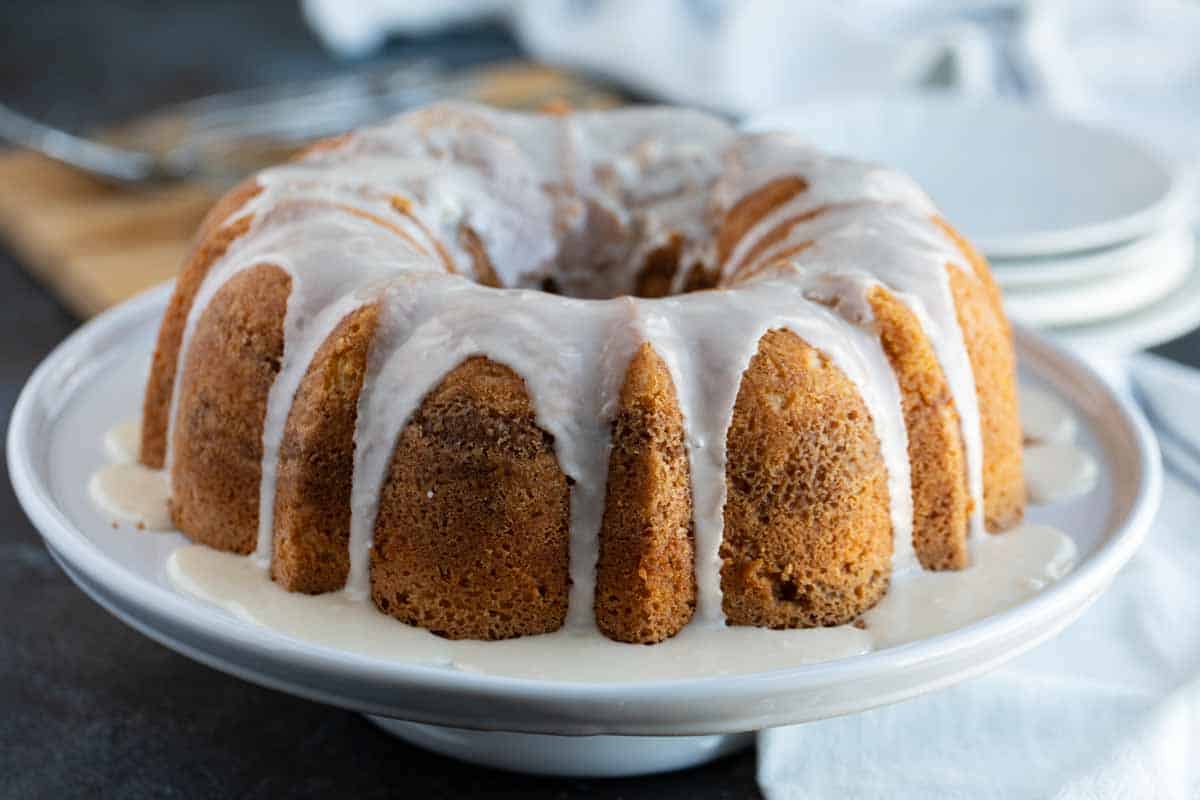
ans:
(1055, 469)
(1012, 567)
(1006, 569)
(1045, 418)
(582, 199)
(876, 227)
(123, 441)
(574, 392)
(1058, 471)
(134, 494)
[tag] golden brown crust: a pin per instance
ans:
(322, 146)
(383, 223)
(403, 207)
(779, 259)
(808, 535)
(316, 462)
(471, 538)
(988, 336)
(773, 237)
(989, 346)
(227, 208)
(979, 266)
(232, 360)
(940, 492)
(645, 577)
(658, 271)
(699, 279)
(750, 209)
(484, 271)
(212, 242)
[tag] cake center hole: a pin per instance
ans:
(657, 273)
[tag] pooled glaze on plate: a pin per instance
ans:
(134, 494)
(127, 490)
(1005, 569)
(1055, 469)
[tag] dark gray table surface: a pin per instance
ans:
(88, 706)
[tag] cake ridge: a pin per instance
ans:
(921, 283)
(679, 329)
(368, 219)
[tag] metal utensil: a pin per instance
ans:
(106, 161)
(223, 137)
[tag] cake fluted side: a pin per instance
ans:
(472, 533)
(216, 446)
(808, 539)
(765, 452)
(217, 232)
(311, 526)
(989, 346)
(645, 574)
(988, 336)
(941, 497)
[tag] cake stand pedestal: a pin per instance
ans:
(568, 756)
(568, 728)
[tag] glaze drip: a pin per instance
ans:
(399, 215)
(1010, 569)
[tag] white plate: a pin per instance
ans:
(1173, 315)
(94, 378)
(1148, 253)
(1017, 181)
(1161, 269)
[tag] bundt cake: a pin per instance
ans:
(506, 372)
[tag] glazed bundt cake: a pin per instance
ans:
(503, 373)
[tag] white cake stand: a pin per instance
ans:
(564, 728)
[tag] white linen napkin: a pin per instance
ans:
(1108, 709)
(731, 56)
(1130, 64)
(1111, 708)
(1133, 65)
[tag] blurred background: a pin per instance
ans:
(1063, 137)
(1060, 136)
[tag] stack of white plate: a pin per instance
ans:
(1088, 232)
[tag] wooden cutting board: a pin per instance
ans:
(95, 245)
